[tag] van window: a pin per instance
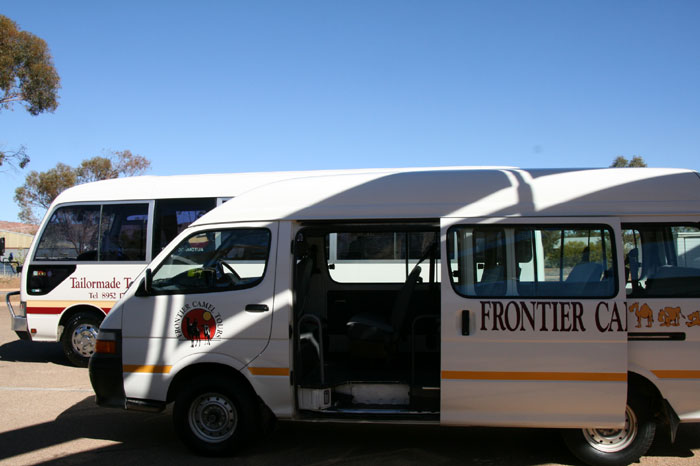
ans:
(110, 232)
(378, 256)
(214, 261)
(532, 261)
(662, 260)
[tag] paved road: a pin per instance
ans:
(48, 416)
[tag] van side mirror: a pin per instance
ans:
(146, 286)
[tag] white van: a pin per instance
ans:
(492, 297)
(97, 237)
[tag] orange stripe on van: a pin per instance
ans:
(279, 371)
(677, 374)
(147, 369)
(537, 376)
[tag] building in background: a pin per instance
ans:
(18, 238)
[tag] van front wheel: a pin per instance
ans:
(214, 417)
(615, 447)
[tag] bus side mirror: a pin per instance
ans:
(146, 285)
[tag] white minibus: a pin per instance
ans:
(490, 297)
(96, 237)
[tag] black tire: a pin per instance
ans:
(215, 416)
(615, 447)
(79, 337)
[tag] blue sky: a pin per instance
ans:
(225, 86)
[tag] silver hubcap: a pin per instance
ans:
(213, 417)
(83, 339)
(613, 440)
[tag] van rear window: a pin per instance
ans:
(661, 260)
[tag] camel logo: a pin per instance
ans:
(668, 316)
(642, 313)
(198, 323)
(693, 319)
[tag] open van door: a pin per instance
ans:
(533, 323)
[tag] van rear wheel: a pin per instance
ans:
(214, 417)
(615, 447)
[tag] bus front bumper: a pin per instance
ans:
(19, 322)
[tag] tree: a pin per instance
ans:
(621, 161)
(41, 188)
(118, 164)
(27, 74)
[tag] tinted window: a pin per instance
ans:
(123, 230)
(107, 232)
(662, 260)
(542, 261)
(70, 234)
(174, 215)
(214, 261)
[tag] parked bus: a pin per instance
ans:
(96, 238)
(492, 297)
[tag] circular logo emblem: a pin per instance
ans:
(198, 325)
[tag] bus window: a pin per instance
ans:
(71, 234)
(174, 215)
(662, 260)
(111, 232)
(123, 229)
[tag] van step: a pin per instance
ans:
(371, 415)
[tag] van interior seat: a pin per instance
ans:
(585, 272)
(371, 327)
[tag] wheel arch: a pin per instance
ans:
(662, 410)
(71, 311)
(203, 369)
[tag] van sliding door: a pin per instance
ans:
(533, 323)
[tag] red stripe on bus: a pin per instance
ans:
(54, 310)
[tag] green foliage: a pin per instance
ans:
(27, 74)
(120, 163)
(621, 162)
(41, 188)
(579, 246)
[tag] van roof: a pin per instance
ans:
(467, 192)
(178, 186)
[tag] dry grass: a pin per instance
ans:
(9, 283)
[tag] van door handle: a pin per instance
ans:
(257, 308)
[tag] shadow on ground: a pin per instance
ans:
(31, 351)
(150, 439)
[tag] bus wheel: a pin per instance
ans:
(214, 416)
(615, 447)
(79, 337)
